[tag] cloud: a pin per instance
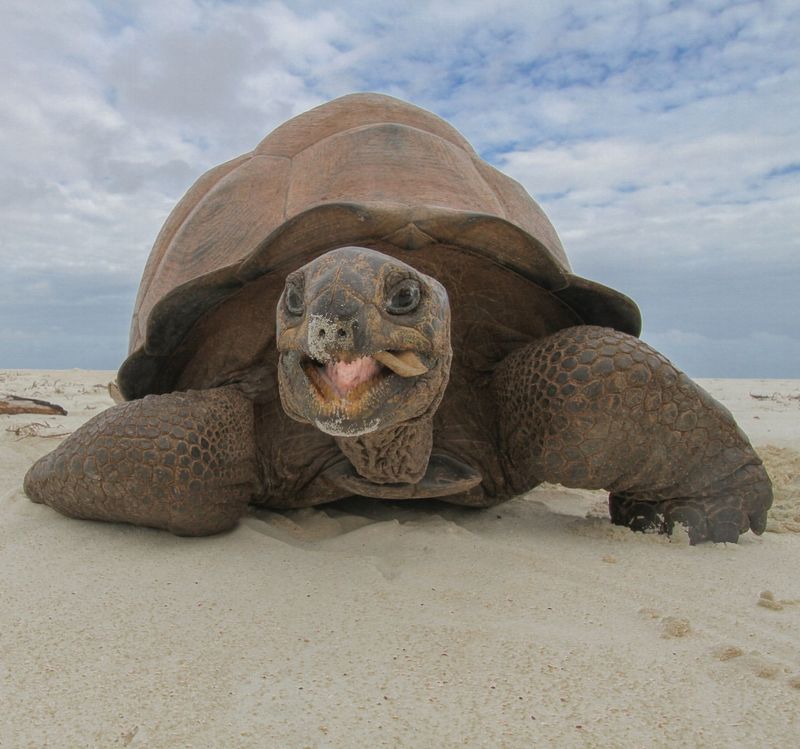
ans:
(695, 200)
(749, 356)
(661, 138)
(75, 317)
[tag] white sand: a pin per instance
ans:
(536, 624)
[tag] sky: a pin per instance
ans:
(661, 138)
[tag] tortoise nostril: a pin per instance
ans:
(342, 333)
(321, 333)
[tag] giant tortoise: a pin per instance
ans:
(361, 306)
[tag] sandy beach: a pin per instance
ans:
(364, 624)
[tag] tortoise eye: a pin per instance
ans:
(293, 299)
(404, 297)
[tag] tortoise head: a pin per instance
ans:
(364, 342)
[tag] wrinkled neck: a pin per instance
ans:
(397, 455)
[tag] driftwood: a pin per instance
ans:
(15, 404)
(36, 429)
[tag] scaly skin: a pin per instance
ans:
(585, 407)
(184, 462)
(593, 408)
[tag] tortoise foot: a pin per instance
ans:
(662, 517)
(184, 462)
(726, 509)
(719, 521)
(592, 408)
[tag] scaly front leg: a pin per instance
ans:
(185, 462)
(593, 408)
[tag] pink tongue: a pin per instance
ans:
(347, 375)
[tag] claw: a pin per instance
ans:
(725, 526)
(758, 522)
(691, 518)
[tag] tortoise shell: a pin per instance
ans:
(364, 169)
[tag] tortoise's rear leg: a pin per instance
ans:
(594, 408)
(185, 462)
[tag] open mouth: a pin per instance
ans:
(349, 379)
